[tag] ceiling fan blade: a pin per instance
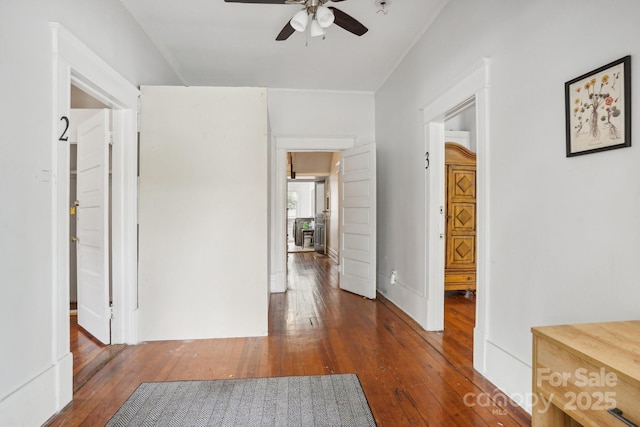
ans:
(258, 1)
(286, 31)
(348, 22)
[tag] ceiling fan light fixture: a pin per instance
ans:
(316, 29)
(325, 16)
(300, 20)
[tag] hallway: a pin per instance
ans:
(410, 377)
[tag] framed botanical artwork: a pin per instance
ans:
(598, 109)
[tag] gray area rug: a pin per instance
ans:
(323, 400)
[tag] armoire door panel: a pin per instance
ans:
(462, 252)
(464, 183)
(460, 243)
(463, 217)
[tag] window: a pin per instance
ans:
(292, 204)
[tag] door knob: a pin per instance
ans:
(74, 239)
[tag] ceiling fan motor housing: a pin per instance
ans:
(319, 21)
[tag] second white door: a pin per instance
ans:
(92, 220)
(358, 221)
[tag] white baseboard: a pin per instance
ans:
(509, 374)
(407, 300)
(333, 254)
(41, 398)
(278, 282)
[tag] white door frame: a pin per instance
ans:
(73, 62)
(472, 84)
(280, 145)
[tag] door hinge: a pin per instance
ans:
(111, 315)
(138, 113)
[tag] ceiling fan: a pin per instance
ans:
(321, 17)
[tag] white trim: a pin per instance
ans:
(509, 373)
(475, 78)
(483, 284)
(124, 209)
(435, 226)
(302, 143)
(400, 294)
(473, 83)
(333, 254)
(88, 70)
(73, 62)
(327, 91)
(278, 176)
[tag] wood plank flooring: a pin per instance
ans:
(89, 354)
(410, 377)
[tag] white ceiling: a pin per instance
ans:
(214, 43)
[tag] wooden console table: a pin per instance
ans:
(586, 374)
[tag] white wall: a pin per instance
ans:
(203, 213)
(322, 114)
(562, 232)
(28, 394)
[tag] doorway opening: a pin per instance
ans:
(281, 173)
(89, 352)
(471, 88)
(357, 253)
(76, 65)
(460, 193)
(312, 191)
(83, 106)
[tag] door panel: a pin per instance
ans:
(92, 220)
(358, 220)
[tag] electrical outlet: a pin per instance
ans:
(394, 277)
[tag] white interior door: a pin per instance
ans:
(358, 221)
(92, 221)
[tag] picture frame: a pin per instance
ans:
(598, 109)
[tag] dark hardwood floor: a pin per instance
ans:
(410, 377)
(89, 354)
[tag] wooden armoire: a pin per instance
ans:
(460, 202)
